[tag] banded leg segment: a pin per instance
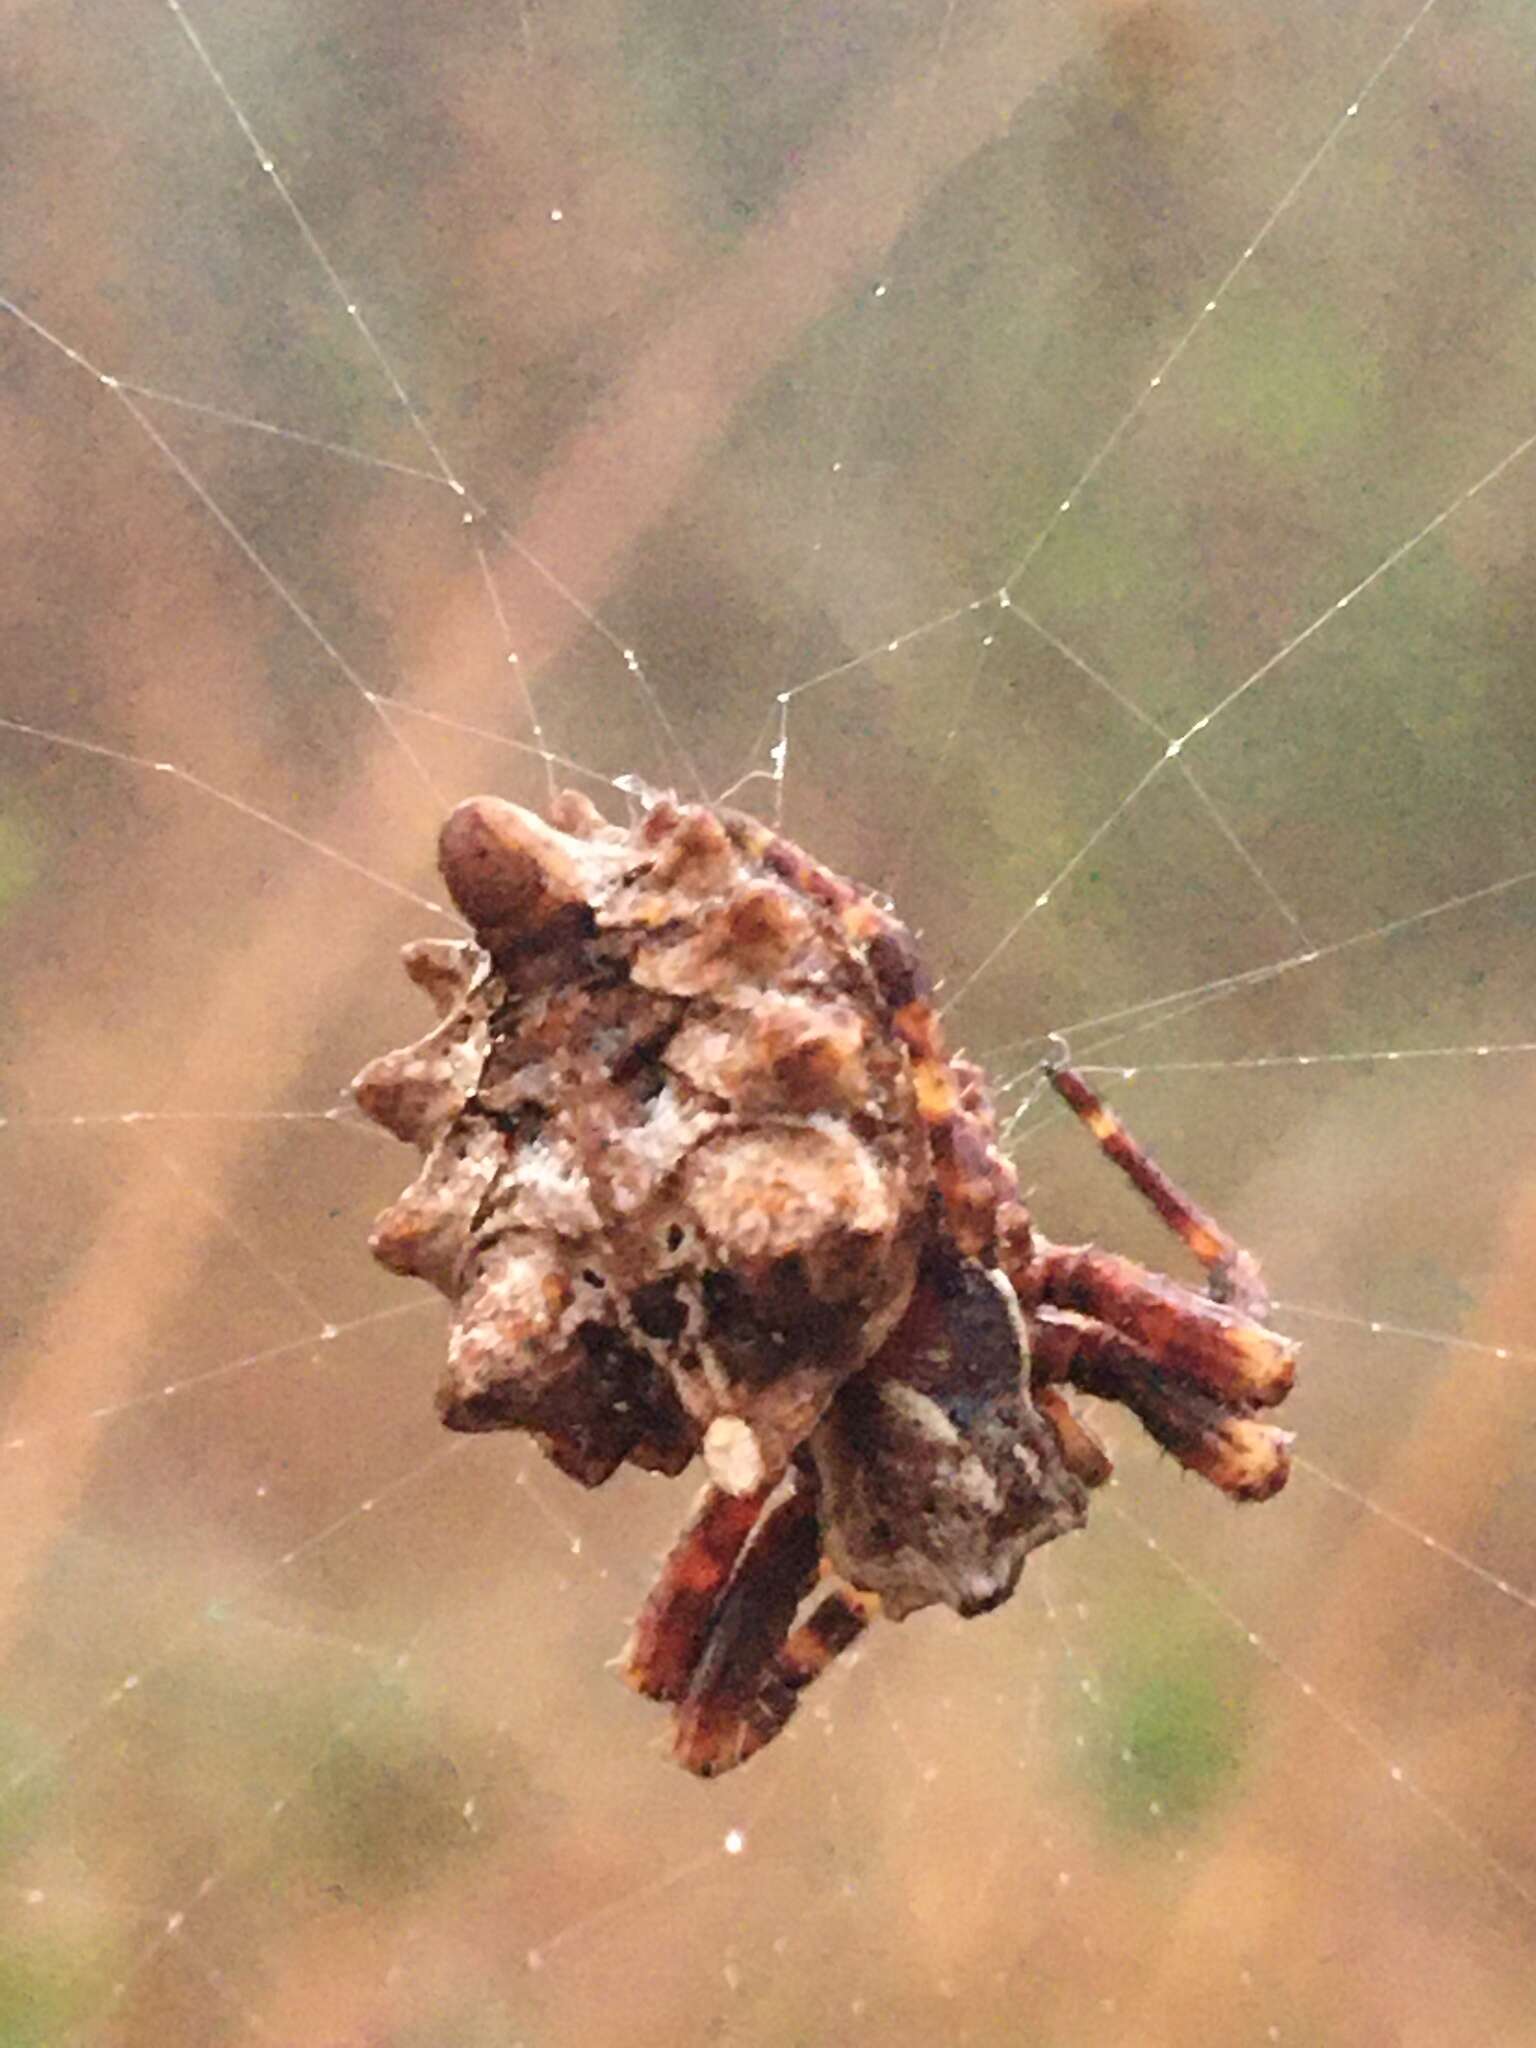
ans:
(717, 1633)
(1234, 1275)
(732, 1723)
(1189, 1366)
(735, 1700)
(1247, 1459)
(1086, 1458)
(1218, 1347)
(833, 1625)
(671, 1628)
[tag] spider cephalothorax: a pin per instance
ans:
(700, 1177)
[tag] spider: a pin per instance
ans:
(700, 1179)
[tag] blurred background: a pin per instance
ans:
(506, 396)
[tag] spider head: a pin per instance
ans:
(938, 1475)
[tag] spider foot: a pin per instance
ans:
(1246, 1458)
(1211, 1343)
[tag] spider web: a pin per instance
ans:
(1076, 467)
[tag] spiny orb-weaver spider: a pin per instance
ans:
(700, 1179)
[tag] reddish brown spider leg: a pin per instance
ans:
(833, 1625)
(1246, 1458)
(836, 1622)
(1232, 1357)
(1234, 1273)
(669, 1631)
(1082, 1453)
(735, 1700)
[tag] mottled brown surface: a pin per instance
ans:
(674, 1172)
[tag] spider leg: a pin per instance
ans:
(1246, 1458)
(716, 1633)
(1218, 1347)
(1233, 1273)
(736, 1699)
(1084, 1456)
(670, 1629)
(833, 1625)
(1188, 1366)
